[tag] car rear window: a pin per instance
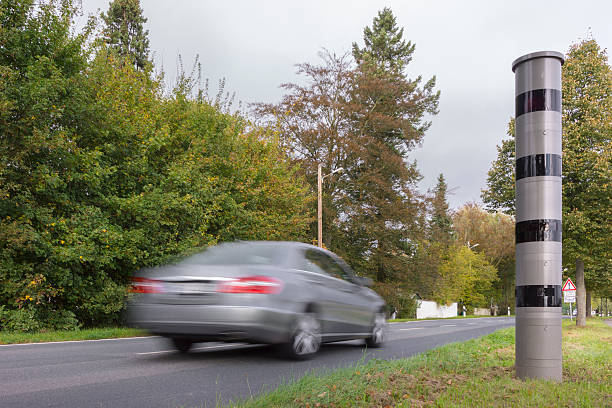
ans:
(238, 254)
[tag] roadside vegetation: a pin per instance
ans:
(106, 169)
(477, 373)
(18, 337)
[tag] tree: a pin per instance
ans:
(387, 112)
(493, 235)
(465, 276)
(42, 92)
(440, 224)
(124, 32)
(587, 196)
(313, 127)
(587, 154)
(433, 248)
(384, 44)
(499, 194)
(365, 119)
(102, 174)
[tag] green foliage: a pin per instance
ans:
(587, 155)
(499, 194)
(491, 234)
(384, 44)
(398, 298)
(23, 320)
(466, 276)
(387, 112)
(440, 224)
(124, 32)
(30, 319)
(101, 174)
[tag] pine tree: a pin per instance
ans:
(384, 44)
(125, 33)
(440, 224)
(387, 110)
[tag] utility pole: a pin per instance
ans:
(538, 215)
(320, 208)
(320, 178)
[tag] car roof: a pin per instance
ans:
(288, 244)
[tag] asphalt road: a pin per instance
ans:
(146, 372)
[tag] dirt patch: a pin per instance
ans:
(505, 353)
(416, 389)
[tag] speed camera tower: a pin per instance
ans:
(538, 215)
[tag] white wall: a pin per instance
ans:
(482, 311)
(429, 309)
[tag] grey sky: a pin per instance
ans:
(468, 45)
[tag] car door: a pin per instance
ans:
(344, 311)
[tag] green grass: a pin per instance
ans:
(476, 373)
(65, 335)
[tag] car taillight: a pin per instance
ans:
(252, 284)
(144, 285)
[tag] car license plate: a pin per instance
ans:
(190, 288)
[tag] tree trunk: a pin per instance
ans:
(580, 294)
(588, 304)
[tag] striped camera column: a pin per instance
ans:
(538, 215)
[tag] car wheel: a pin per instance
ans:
(182, 345)
(377, 336)
(306, 339)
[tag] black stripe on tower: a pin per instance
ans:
(538, 296)
(538, 100)
(538, 165)
(538, 230)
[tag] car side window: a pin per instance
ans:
(312, 262)
(320, 262)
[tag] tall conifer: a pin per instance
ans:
(125, 33)
(388, 121)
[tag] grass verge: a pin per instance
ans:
(66, 335)
(476, 373)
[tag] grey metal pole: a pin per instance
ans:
(538, 215)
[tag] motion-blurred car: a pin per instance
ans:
(287, 293)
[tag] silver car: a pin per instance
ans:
(287, 293)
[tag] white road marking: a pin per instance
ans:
(76, 341)
(414, 328)
(449, 325)
(193, 349)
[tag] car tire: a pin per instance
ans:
(377, 337)
(181, 344)
(306, 338)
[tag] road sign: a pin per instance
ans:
(569, 291)
(569, 286)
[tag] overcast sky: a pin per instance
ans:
(468, 45)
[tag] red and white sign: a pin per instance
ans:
(569, 291)
(569, 285)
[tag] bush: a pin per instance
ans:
(30, 319)
(397, 298)
(23, 320)
(102, 173)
